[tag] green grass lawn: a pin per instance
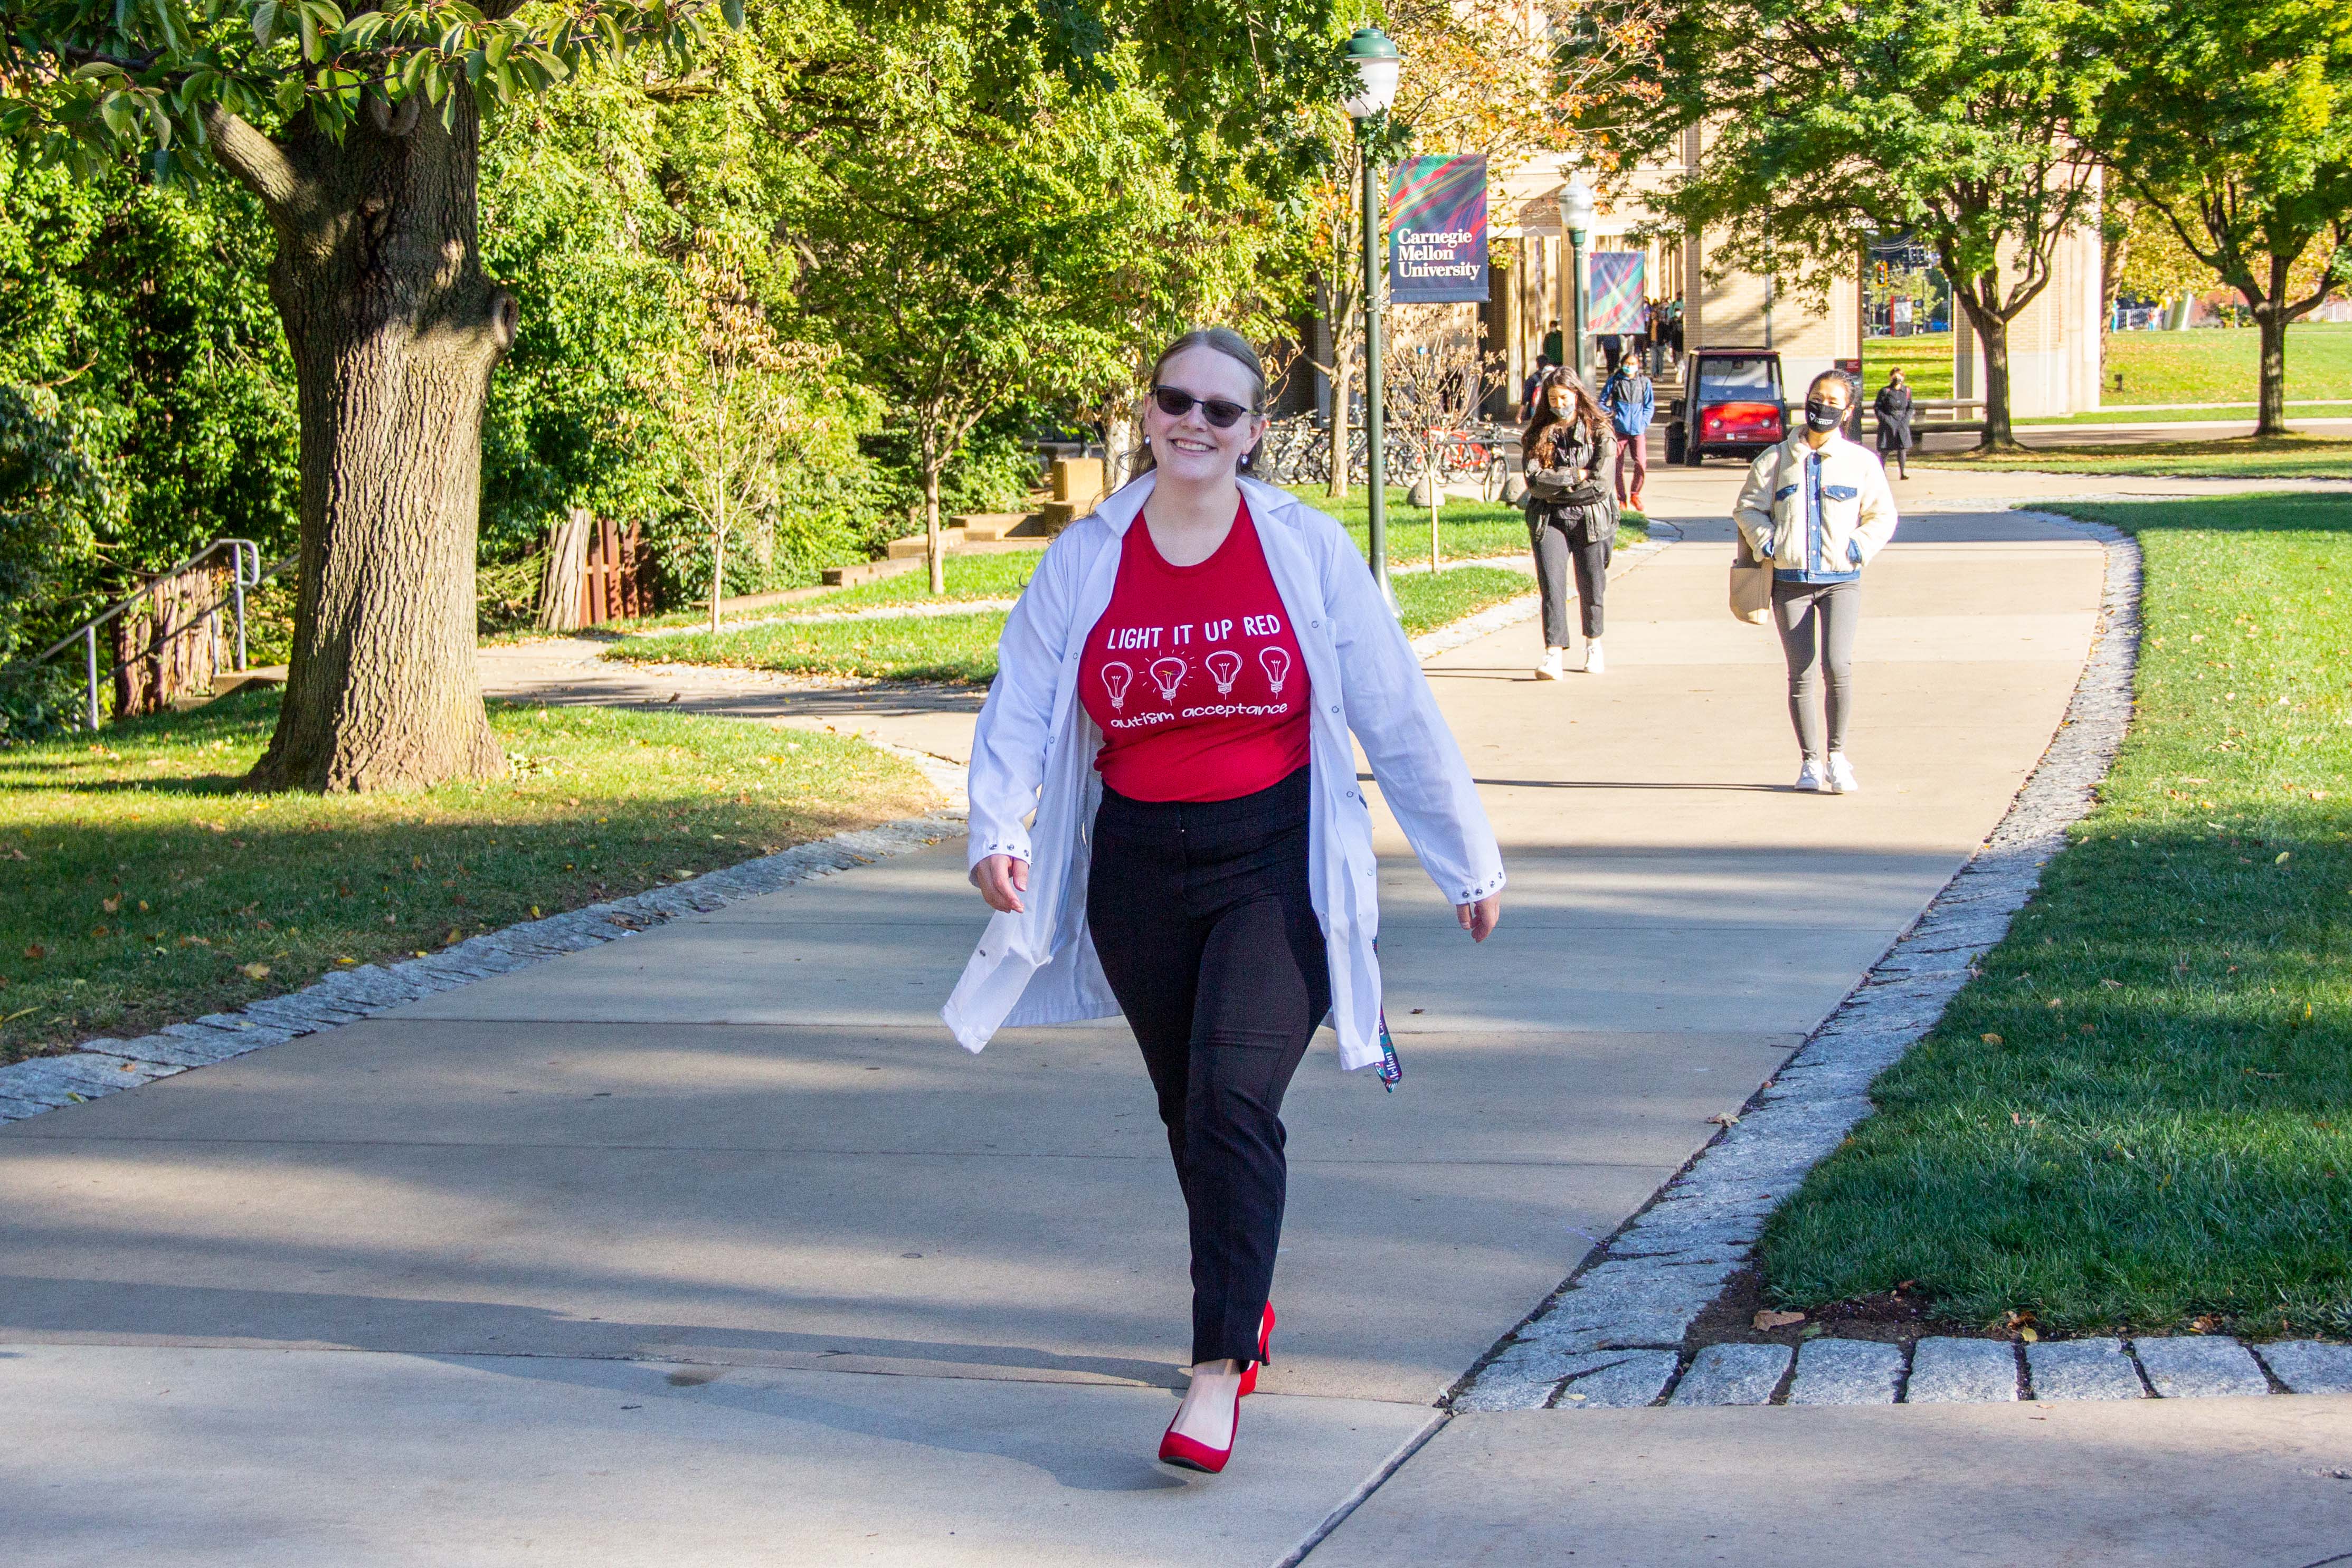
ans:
(2141, 1115)
(2217, 364)
(139, 887)
(2236, 457)
(1926, 360)
(2236, 410)
(2223, 364)
(953, 645)
(998, 574)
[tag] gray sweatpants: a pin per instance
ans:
(1817, 622)
(1563, 548)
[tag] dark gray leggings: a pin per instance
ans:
(1817, 622)
(1562, 547)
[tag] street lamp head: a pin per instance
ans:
(1376, 61)
(1575, 203)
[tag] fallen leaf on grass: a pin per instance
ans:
(112, 905)
(36, 952)
(1991, 1039)
(254, 971)
(1769, 1320)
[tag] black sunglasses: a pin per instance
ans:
(1215, 410)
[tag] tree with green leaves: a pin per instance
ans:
(359, 132)
(955, 254)
(1957, 121)
(2231, 121)
(359, 135)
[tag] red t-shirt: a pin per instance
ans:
(1193, 673)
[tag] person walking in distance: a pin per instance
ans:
(1893, 407)
(1630, 402)
(1533, 385)
(1571, 513)
(1176, 694)
(1817, 509)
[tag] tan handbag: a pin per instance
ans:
(1751, 586)
(1751, 579)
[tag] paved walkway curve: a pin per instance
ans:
(706, 1247)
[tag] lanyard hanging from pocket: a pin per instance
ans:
(1391, 1070)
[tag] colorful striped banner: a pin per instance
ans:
(1617, 290)
(1437, 230)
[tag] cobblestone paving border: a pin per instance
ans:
(103, 1067)
(1638, 1295)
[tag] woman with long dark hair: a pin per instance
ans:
(1572, 512)
(1175, 696)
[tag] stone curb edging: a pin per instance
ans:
(1612, 1334)
(104, 1066)
(1953, 1371)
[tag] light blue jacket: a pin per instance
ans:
(1034, 750)
(1631, 406)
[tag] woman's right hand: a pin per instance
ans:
(1001, 880)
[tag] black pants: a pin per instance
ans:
(1561, 544)
(1201, 915)
(1817, 622)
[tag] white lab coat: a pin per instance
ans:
(1034, 748)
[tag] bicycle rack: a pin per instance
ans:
(245, 573)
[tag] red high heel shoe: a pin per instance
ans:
(1190, 1454)
(1265, 1339)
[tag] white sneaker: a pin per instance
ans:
(1594, 663)
(1549, 669)
(1808, 778)
(1842, 778)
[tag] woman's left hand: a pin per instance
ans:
(1480, 919)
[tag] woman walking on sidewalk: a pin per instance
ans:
(1816, 509)
(1571, 513)
(1175, 695)
(1630, 402)
(1893, 410)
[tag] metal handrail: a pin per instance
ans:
(245, 571)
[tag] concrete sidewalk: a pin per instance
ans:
(708, 1247)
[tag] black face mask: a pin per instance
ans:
(1821, 414)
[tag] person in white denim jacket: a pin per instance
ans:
(1817, 508)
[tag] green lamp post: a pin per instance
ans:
(1377, 63)
(1576, 217)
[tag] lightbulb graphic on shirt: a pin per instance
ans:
(1276, 664)
(1167, 674)
(1114, 677)
(1223, 666)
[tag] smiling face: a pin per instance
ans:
(1186, 446)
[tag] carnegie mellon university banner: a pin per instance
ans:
(1437, 230)
(1617, 285)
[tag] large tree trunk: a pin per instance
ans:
(1992, 337)
(394, 332)
(2271, 316)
